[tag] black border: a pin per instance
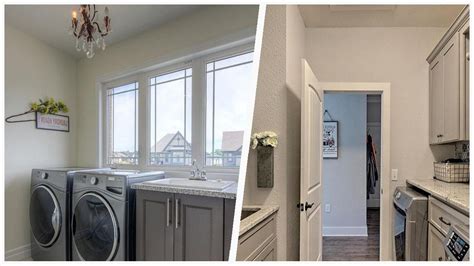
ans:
(68, 123)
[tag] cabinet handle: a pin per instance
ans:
(444, 221)
(177, 213)
(440, 258)
(168, 202)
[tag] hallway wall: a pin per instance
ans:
(344, 178)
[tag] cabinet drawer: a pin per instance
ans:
(255, 240)
(435, 245)
(442, 216)
(268, 253)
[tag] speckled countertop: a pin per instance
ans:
(255, 218)
(454, 194)
(228, 193)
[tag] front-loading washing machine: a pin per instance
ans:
(103, 222)
(50, 213)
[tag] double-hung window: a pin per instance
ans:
(121, 114)
(196, 110)
(228, 89)
(170, 118)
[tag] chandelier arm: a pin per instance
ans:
(93, 15)
(98, 27)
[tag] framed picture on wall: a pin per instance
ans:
(330, 140)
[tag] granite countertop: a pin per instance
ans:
(228, 193)
(454, 194)
(255, 218)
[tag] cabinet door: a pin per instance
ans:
(268, 253)
(199, 228)
(451, 89)
(154, 226)
(435, 245)
(229, 208)
(436, 100)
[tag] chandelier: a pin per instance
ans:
(89, 30)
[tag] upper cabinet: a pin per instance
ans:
(449, 84)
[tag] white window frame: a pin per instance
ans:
(198, 63)
(106, 87)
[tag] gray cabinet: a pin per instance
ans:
(180, 227)
(448, 89)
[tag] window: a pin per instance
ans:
(196, 109)
(228, 89)
(170, 118)
(122, 124)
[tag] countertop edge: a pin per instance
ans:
(225, 194)
(254, 219)
(444, 198)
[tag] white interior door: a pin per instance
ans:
(311, 167)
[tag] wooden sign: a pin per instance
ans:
(52, 122)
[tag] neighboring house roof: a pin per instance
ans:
(232, 140)
(165, 141)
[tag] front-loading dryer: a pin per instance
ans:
(103, 222)
(50, 213)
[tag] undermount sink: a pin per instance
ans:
(247, 213)
(196, 184)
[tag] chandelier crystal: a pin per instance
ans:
(89, 30)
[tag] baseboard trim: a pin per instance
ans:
(19, 253)
(345, 231)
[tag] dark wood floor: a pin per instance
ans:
(342, 248)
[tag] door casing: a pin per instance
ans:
(386, 225)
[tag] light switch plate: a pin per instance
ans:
(394, 174)
(327, 208)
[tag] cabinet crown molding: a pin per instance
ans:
(457, 24)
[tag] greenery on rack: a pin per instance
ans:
(49, 106)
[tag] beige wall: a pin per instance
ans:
(277, 108)
(395, 55)
(198, 30)
(33, 70)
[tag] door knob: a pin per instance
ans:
(308, 206)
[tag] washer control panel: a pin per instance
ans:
(456, 244)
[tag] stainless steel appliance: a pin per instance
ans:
(456, 243)
(103, 223)
(410, 225)
(50, 213)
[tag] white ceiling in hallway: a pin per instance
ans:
(379, 15)
(50, 23)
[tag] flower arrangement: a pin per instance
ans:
(49, 106)
(265, 138)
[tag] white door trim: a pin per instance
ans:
(385, 199)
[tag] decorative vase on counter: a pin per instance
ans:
(265, 166)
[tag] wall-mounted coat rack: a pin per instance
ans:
(46, 116)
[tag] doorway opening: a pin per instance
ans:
(351, 183)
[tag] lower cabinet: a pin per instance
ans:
(440, 218)
(181, 227)
(259, 243)
(435, 245)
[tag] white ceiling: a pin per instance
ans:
(50, 22)
(379, 15)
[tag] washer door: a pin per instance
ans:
(94, 228)
(45, 216)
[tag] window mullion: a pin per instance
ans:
(198, 113)
(143, 121)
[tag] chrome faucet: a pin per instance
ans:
(197, 173)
